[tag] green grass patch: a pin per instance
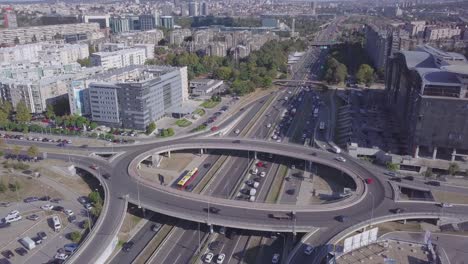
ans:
(200, 112)
(210, 103)
(199, 128)
(166, 133)
(183, 122)
(275, 187)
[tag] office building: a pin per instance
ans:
(119, 24)
(203, 87)
(102, 20)
(135, 96)
(167, 22)
(119, 59)
(427, 91)
(193, 9)
(204, 9)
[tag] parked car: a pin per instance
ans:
(69, 212)
(308, 250)
(208, 257)
(8, 254)
(37, 240)
(33, 217)
(47, 207)
(72, 218)
(31, 199)
(21, 251)
(433, 183)
(58, 208)
(369, 181)
(220, 258)
(70, 248)
(42, 235)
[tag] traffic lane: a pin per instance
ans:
(186, 246)
(140, 239)
(203, 169)
(267, 181)
(234, 171)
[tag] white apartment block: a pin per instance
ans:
(25, 35)
(119, 59)
(441, 33)
(44, 53)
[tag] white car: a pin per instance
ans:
(276, 258)
(61, 256)
(208, 257)
(446, 205)
(340, 159)
(220, 258)
(68, 212)
(278, 140)
(13, 213)
(47, 207)
(308, 250)
(274, 137)
(88, 206)
(268, 125)
(237, 131)
(262, 174)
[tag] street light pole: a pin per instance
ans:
(372, 210)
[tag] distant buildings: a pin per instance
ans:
(167, 22)
(8, 18)
(45, 53)
(68, 32)
(134, 96)
(436, 33)
(428, 93)
(118, 59)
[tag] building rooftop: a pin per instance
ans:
(418, 59)
(132, 74)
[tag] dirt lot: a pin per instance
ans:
(177, 161)
(448, 197)
(28, 186)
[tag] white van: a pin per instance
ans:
(12, 218)
(28, 243)
(56, 223)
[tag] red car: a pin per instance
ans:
(215, 128)
(94, 167)
(369, 181)
(261, 164)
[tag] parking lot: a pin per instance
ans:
(27, 214)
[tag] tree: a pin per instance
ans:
(86, 62)
(23, 114)
(50, 111)
(453, 168)
(365, 74)
(85, 224)
(151, 127)
(16, 150)
(393, 166)
(428, 173)
(223, 73)
(95, 198)
(75, 236)
(33, 151)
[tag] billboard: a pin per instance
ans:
(360, 240)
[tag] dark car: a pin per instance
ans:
(58, 208)
(33, 217)
(398, 210)
(155, 227)
(341, 218)
(409, 178)
(37, 240)
(31, 199)
(83, 200)
(72, 218)
(5, 204)
(127, 246)
(21, 251)
(42, 235)
(433, 183)
(206, 165)
(44, 198)
(55, 200)
(5, 224)
(106, 176)
(8, 254)
(397, 179)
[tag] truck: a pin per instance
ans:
(28, 243)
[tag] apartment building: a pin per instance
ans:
(119, 58)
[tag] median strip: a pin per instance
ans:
(151, 250)
(276, 185)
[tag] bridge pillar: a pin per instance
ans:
(201, 151)
(454, 153)
(255, 154)
(434, 153)
(168, 154)
(404, 221)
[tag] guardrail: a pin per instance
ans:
(361, 189)
(73, 258)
